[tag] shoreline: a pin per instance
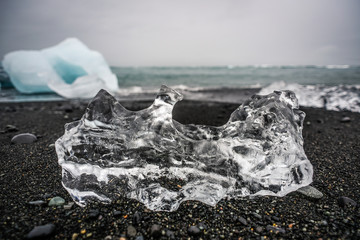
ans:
(30, 172)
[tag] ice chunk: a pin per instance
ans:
(337, 98)
(70, 69)
(148, 156)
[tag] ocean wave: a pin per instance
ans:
(336, 98)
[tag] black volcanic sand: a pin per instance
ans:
(30, 172)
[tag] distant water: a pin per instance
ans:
(236, 76)
(206, 83)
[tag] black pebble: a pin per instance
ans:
(117, 213)
(41, 231)
(194, 231)
(24, 138)
(155, 231)
(242, 220)
(275, 229)
(94, 213)
(346, 202)
(136, 218)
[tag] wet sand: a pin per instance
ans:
(30, 172)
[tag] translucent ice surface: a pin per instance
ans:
(148, 156)
(335, 98)
(70, 69)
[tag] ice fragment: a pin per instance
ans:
(70, 69)
(148, 156)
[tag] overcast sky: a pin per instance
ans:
(190, 32)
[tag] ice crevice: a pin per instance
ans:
(148, 156)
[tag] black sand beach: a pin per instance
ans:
(30, 172)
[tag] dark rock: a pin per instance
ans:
(139, 238)
(117, 213)
(136, 218)
(24, 138)
(41, 231)
(345, 120)
(258, 216)
(194, 231)
(170, 234)
(275, 229)
(131, 231)
(242, 220)
(346, 202)
(201, 226)
(259, 229)
(155, 231)
(321, 121)
(94, 213)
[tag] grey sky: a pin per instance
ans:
(190, 32)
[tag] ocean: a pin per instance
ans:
(339, 85)
(256, 76)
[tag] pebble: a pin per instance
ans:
(139, 238)
(202, 226)
(68, 206)
(136, 218)
(311, 192)
(94, 213)
(170, 234)
(275, 229)
(51, 145)
(345, 120)
(37, 202)
(346, 202)
(10, 128)
(41, 231)
(24, 138)
(57, 201)
(131, 231)
(194, 231)
(242, 220)
(155, 230)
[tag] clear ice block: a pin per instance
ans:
(148, 156)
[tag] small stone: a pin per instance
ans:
(242, 220)
(74, 236)
(345, 120)
(170, 234)
(131, 231)
(57, 201)
(108, 237)
(275, 229)
(311, 192)
(139, 238)
(88, 235)
(51, 145)
(41, 231)
(94, 213)
(259, 229)
(201, 226)
(68, 206)
(258, 216)
(346, 202)
(117, 213)
(10, 128)
(37, 202)
(24, 138)
(155, 230)
(194, 231)
(136, 218)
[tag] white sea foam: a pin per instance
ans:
(337, 98)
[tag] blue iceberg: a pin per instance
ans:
(70, 69)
